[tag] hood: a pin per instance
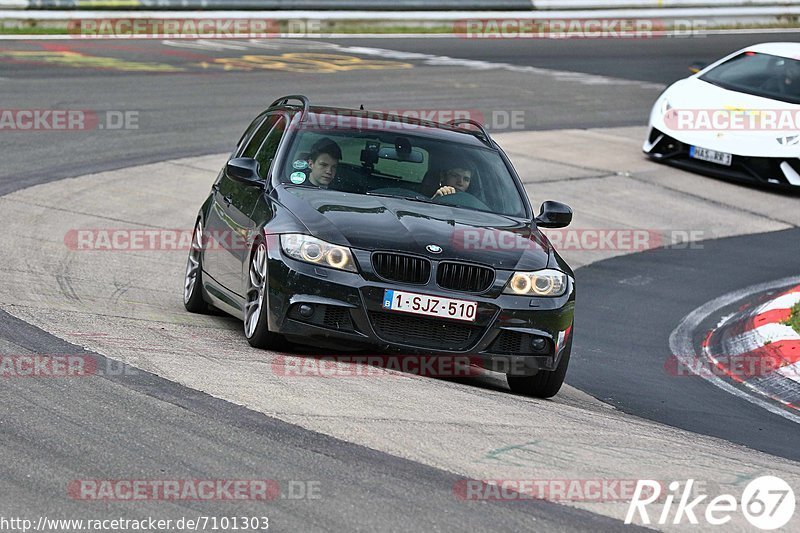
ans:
(695, 94)
(396, 224)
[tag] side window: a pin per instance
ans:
(249, 131)
(270, 146)
(255, 142)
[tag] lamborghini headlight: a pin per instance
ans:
(547, 282)
(318, 252)
(665, 106)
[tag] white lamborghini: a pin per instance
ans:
(738, 118)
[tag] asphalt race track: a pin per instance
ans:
(193, 401)
(633, 327)
(173, 427)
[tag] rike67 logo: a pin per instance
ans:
(767, 502)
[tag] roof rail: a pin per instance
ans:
(283, 100)
(481, 130)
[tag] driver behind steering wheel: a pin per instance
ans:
(453, 180)
(786, 79)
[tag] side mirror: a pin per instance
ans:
(554, 215)
(697, 66)
(243, 170)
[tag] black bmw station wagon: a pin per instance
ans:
(358, 230)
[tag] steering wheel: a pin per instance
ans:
(461, 199)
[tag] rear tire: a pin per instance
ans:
(256, 328)
(193, 280)
(545, 383)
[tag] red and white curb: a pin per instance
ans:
(759, 351)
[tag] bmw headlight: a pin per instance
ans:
(547, 282)
(318, 252)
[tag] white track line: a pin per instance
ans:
(434, 60)
(790, 372)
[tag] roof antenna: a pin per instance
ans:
(362, 107)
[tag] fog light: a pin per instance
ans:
(539, 344)
(306, 310)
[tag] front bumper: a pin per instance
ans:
(782, 173)
(348, 315)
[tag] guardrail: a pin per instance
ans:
(648, 4)
(276, 5)
(384, 5)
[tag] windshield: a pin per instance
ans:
(760, 75)
(403, 165)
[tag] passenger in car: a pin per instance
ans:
(323, 161)
(453, 180)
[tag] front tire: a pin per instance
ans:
(256, 328)
(545, 383)
(193, 280)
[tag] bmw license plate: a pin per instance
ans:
(423, 304)
(712, 156)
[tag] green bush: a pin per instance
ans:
(794, 318)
